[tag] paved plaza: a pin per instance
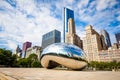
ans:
(55, 74)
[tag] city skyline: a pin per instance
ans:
(28, 20)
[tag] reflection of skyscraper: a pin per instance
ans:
(67, 14)
(51, 37)
(106, 37)
(71, 36)
(25, 46)
(117, 35)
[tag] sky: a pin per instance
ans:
(28, 20)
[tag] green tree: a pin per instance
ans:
(23, 62)
(8, 59)
(31, 61)
(105, 65)
(13, 60)
(5, 57)
(36, 64)
(33, 57)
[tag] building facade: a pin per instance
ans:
(106, 36)
(92, 44)
(117, 35)
(67, 14)
(34, 50)
(25, 46)
(110, 55)
(71, 36)
(51, 37)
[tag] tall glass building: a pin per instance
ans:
(67, 14)
(117, 35)
(50, 38)
(106, 37)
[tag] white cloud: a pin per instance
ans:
(19, 27)
(12, 45)
(82, 4)
(118, 18)
(26, 5)
(80, 31)
(103, 4)
(70, 1)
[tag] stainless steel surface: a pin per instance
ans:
(65, 49)
(64, 54)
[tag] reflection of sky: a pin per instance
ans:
(66, 49)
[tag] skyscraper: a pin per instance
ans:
(106, 37)
(51, 37)
(71, 36)
(25, 46)
(117, 35)
(67, 14)
(19, 51)
(103, 44)
(92, 44)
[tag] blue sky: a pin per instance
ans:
(28, 20)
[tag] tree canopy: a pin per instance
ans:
(7, 59)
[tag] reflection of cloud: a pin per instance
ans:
(28, 20)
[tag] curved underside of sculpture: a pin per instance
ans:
(51, 61)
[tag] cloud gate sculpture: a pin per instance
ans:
(64, 54)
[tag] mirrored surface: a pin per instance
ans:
(64, 49)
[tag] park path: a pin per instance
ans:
(55, 74)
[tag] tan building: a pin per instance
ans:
(35, 49)
(115, 46)
(71, 36)
(92, 44)
(112, 54)
(109, 55)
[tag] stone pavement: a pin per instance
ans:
(55, 74)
